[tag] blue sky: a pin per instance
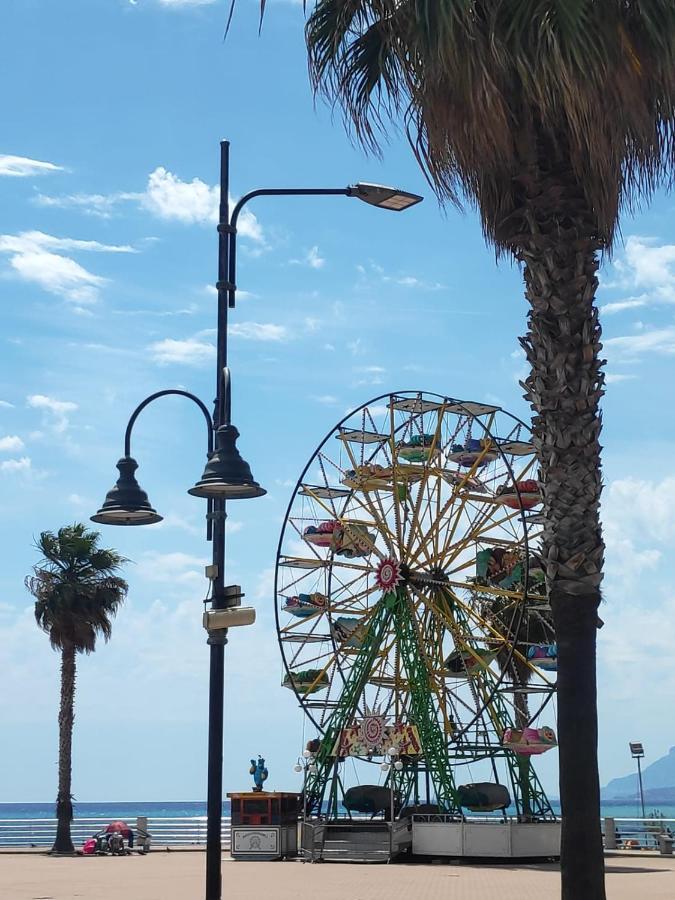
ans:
(112, 114)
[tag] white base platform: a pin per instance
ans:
(496, 840)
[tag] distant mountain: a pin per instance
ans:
(658, 780)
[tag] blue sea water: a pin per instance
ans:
(154, 809)
(124, 809)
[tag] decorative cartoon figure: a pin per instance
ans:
(259, 773)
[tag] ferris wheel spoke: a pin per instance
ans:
(365, 502)
(435, 526)
(376, 510)
(428, 500)
(480, 533)
(302, 575)
(415, 527)
(432, 665)
(476, 514)
(345, 584)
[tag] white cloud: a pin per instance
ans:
(370, 374)
(641, 629)
(11, 443)
(175, 520)
(375, 272)
(259, 331)
(16, 465)
(167, 197)
(646, 265)
(325, 399)
(191, 351)
(22, 166)
(34, 240)
(170, 198)
(641, 510)
(58, 275)
(660, 340)
(172, 568)
(56, 411)
(5, 404)
(264, 588)
(618, 378)
(101, 205)
(619, 305)
(35, 257)
(312, 258)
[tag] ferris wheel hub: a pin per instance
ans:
(435, 575)
(388, 574)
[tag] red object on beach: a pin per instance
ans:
(120, 826)
(89, 847)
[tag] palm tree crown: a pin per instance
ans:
(491, 90)
(76, 591)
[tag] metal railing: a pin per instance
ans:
(178, 831)
(638, 834)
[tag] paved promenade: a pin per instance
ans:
(180, 876)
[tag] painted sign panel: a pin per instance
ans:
(255, 840)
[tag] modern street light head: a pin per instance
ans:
(227, 476)
(126, 503)
(636, 749)
(383, 196)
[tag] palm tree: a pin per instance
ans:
(549, 116)
(77, 594)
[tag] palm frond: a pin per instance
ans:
(488, 90)
(77, 591)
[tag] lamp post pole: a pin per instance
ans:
(217, 641)
(637, 752)
(642, 793)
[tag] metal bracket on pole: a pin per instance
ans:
(227, 410)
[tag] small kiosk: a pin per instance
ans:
(264, 824)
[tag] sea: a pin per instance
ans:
(118, 809)
(129, 809)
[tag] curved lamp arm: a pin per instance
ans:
(265, 192)
(171, 391)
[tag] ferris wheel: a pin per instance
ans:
(410, 602)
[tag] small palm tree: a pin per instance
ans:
(77, 594)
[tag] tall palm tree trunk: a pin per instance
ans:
(559, 249)
(64, 807)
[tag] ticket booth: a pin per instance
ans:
(264, 824)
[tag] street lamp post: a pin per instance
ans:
(637, 752)
(226, 477)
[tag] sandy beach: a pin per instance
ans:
(180, 876)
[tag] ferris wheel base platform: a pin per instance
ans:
(354, 840)
(485, 839)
